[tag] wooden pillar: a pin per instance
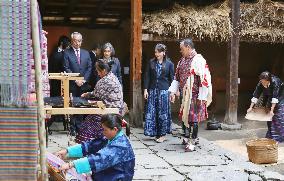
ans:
(232, 70)
(38, 81)
(136, 112)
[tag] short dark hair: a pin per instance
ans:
(161, 47)
(64, 41)
(101, 65)
(265, 76)
(188, 43)
(111, 121)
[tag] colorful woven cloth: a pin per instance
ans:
(18, 119)
(18, 144)
(44, 68)
(71, 174)
(15, 46)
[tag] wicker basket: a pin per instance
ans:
(262, 150)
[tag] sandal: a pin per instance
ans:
(184, 141)
(161, 139)
(189, 148)
(195, 141)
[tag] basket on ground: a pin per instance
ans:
(262, 150)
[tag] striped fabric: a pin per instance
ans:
(18, 144)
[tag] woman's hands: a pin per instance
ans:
(249, 109)
(62, 153)
(84, 94)
(146, 95)
(272, 109)
(172, 97)
(66, 166)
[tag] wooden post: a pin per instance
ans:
(40, 104)
(231, 117)
(136, 112)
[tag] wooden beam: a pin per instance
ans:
(231, 116)
(73, 110)
(136, 112)
(82, 24)
(42, 4)
(98, 11)
(70, 9)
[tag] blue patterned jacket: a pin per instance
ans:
(108, 160)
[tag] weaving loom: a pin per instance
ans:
(55, 174)
(66, 109)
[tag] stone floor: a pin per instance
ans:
(221, 155)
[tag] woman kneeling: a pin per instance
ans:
(110, 158)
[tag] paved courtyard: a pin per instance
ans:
(212, 160)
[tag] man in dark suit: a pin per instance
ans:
(77, 60)
(55, 64)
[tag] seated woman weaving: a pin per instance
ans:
(108, 89)
(110, 159)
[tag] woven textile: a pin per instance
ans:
(18, 143)
(71, 174)
(44, 68)
(15, 46)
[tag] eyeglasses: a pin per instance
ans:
(77, 40)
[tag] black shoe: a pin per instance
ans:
(49, 132)
(72, 133)
(186, 134)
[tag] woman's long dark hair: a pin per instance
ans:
(265, 76)
(112, 120)
(115, 120)
(161, 48)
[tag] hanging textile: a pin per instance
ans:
(44, 68)
(15, 48)
(19, 142)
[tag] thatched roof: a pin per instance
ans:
(262, 21)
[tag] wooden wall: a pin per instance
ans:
(119, 38)
(254, 58)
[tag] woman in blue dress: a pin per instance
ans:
(110, 159)
(158, 77)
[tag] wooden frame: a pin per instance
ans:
(65, 78)
(73, 110)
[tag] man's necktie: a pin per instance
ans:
(78, 56)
